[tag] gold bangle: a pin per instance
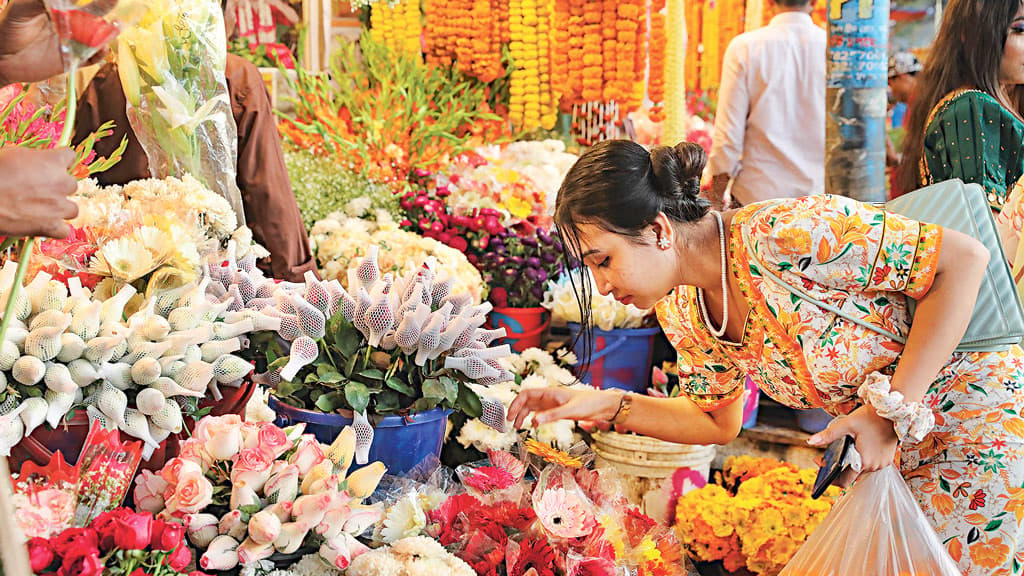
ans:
(625, 405)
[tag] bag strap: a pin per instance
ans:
(939, 106)
(799, 293)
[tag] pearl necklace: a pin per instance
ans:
(725, 288)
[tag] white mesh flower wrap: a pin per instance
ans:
(303, 352)
(364, 437)
(368, 271)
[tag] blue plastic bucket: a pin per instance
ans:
(619, 358)
(400, 443)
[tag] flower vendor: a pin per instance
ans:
(636, 220)
(270, 208)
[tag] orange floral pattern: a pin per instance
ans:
(967, 474)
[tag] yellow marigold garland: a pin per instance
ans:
(548, 100)
(656, 74)
(397, 25)
(711, 54)
(674, 130)
(525, 87)
(694, 22)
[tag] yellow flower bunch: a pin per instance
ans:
(760, 526)
(530, 102)
(397, 25)
(676, 119)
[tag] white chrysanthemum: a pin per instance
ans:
(125, 259)
(431, 498)
(357, 207)
(512, 363)
(566, 357)
(560, 434)
(403, 520)
(482, 437)
(312, 565)
(535, 381)
(378, 562)
(535, 357)
(419, 546)
(556, 375)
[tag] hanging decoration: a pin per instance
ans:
(397, 25)
(656, 74)
(676, 115)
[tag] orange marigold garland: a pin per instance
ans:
(694, 21)
(711, 55)
(593, 73)
(627, 36)
(609, 61)
(574, 90)
(559, 49)
(656, 74)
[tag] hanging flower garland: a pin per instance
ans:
(610, 88)
(593, 72)
(548, 100)
(656, 74)
(711, 56)
(442, 18)
(397, 25)
(636, 92)
(694, 21)
(525, 85)
(559, 47)
(674, 130)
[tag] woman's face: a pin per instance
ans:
(1011, 69)
(634, 273)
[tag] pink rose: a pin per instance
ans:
(212, 425)
(250, 432)
(264, 527)
(273, 441)
(242, 495)
(307, 455)
(149, 492)
(193, 492)
(224, 442)
(201, 529)
(249, 552)
(251, 466)
(195, 451)
(176, 468)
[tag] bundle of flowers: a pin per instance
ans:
(414, 556)
(339, 240)
(247, 490)
(607, 313)
(758, 525)
(323, 186)
(120, 542)
(25, 124)
(473, 182)
(137, 366)
(544, 162)
(702, 104)
(533, 368)
(517, 263)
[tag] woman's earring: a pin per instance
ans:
(664, 243)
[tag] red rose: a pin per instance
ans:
(104, 526)
(179, 559)
(166, 536)
(132, 532)
(138, 572)
(75, 542)
(40, 554)
(86, 565)
(197, 573)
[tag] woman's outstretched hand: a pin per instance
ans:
(561, 403)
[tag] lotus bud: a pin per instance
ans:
(293, 534)
(154, 350)
(22, 304)
(303, 351)
(9, 354)
(361, 483)
(216, 348)
(342, 450)
(28, 370)
(33, 414)
(264, 527)
(282, 486)
(150, 401)
(83, 372)
(156, 328)
(145, 371)
(317, 473)
(51, 319)
(229, 368)
(57, 405)
(112, 309)
(17, 333)
(85, 323)
(340, 551)
(430, 338)
(117, 374)
(158, 435)
(368, 271)
(223, 331)
(52, 297)
(138, 426)
(283, 510)
(12, 430)
(312, 321)
(71, 348)
(44, 342)
(101, 349)
(222, 554)
(195, 376)
(409, 330)
(201, 529)
(58, 378)
(169, 388)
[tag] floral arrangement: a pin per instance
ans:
(533, 368)
(247, 490)
(532, 103)
(468, 35)
(758, 524)
(607, 313)
(517, 264)
(323, 186)
(339, 240)
(544, 162)
(656, 78)
(414, 556)
(380, 114)
(119, 543)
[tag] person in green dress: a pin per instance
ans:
(967, 120)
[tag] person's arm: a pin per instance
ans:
(730, 125)
(671, 419)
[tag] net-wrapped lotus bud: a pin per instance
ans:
(368, 271)
(95, 415)
(224, 331)
(430, 340)
(181, 319)
(335, 291)
(159, 435)
(156, 327)
(260, 303)
(136, 425)
(216, 291)
(149, 401)
(112, 309)
(364, 439)
(35, 288)
(248, 263)
(28, 370)
(487, 336)
(12, 430)
(379, 319)
(57, 405)
(22, 305)
(266, 289)
(53, 297)
(102, 348)
(112, 402)
(50, 318)
(312, 322)
(460, 301)
(118, 374)
(220, 308)
(58, 378)
(195, 376)
(283, 302)
(71, 347)
(169, 388)
(145, 371)
(44, 343)
(83, 372)
(302, 352)
(316, 294)
(9, 354)
(140, 350)
(234, 299)
(167, 364)
(363, 303)
(168, 417)
(441, 289)
(229, 368)
(214, 349)
(194, 295)
(267, 323)
(16, 333)
(181, 341)
(408, 334)
(456, 327)
(466, 337)
(474, 368)
(193, 353)
(33, 414)
(270, 379)
(348, 306)
(246, 286)
(503, 351)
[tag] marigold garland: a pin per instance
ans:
(593, 57)
(574, 92)
(397, 25)
(609, 45)
(694, 22)
(656, 74)
(559, 48)
(548, 100)
(674, 130)
(711, 54)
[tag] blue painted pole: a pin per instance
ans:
(856, 98)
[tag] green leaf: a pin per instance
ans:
(348, 338)
(433, 388)
(332, 377)
(386, 401)
(372, 374)
(357, 395)
(350, 366)
(325, 403)
(278, 363)
(943, 484)
(469, 402)
(396, 383)
(287, 388)
(426, 403)
(993, 525)
(451, 389)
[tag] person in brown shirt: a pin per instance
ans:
(270, 208)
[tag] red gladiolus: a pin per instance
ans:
(84, 28)
(132, 532)
(40, 554)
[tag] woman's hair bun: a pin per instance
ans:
(678, 169)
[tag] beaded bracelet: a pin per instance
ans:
(911, 420)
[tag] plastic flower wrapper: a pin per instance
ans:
(410, 556)
(172, 66)
(408, 500)
(44, 497)
(499, 478)
(542, 455)
(607, 313)
(562, 508)
(106, 468)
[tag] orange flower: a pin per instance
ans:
(552, 455)
(990, 554)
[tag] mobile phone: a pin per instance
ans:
(834, 456)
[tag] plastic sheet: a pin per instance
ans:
(876, 528)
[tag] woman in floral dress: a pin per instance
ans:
(637, 222)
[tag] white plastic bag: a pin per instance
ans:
(876, 528)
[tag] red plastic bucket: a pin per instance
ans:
(524, 326)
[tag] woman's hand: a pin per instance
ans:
(874, 437)
(561, 403)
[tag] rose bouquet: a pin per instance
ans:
(117, 543)
(248, 490)
(759, 522)
(607, 313)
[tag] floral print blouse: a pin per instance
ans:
(854, 256)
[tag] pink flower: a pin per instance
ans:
(211, 426)
(195, 451)
(176, 468)
(284, 485)
(35, 521)
(221, 555)
(251, 466)
(250, 432)
(264, 527)
(221, 437)
(249, 552)
(201, 529)
(340, 551)
(192, 493)
(149, 492)
(564, 514)
(307, 455)
(273, 441)
(242, 495)
(487, 478)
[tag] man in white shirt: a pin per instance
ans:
(770, 125)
